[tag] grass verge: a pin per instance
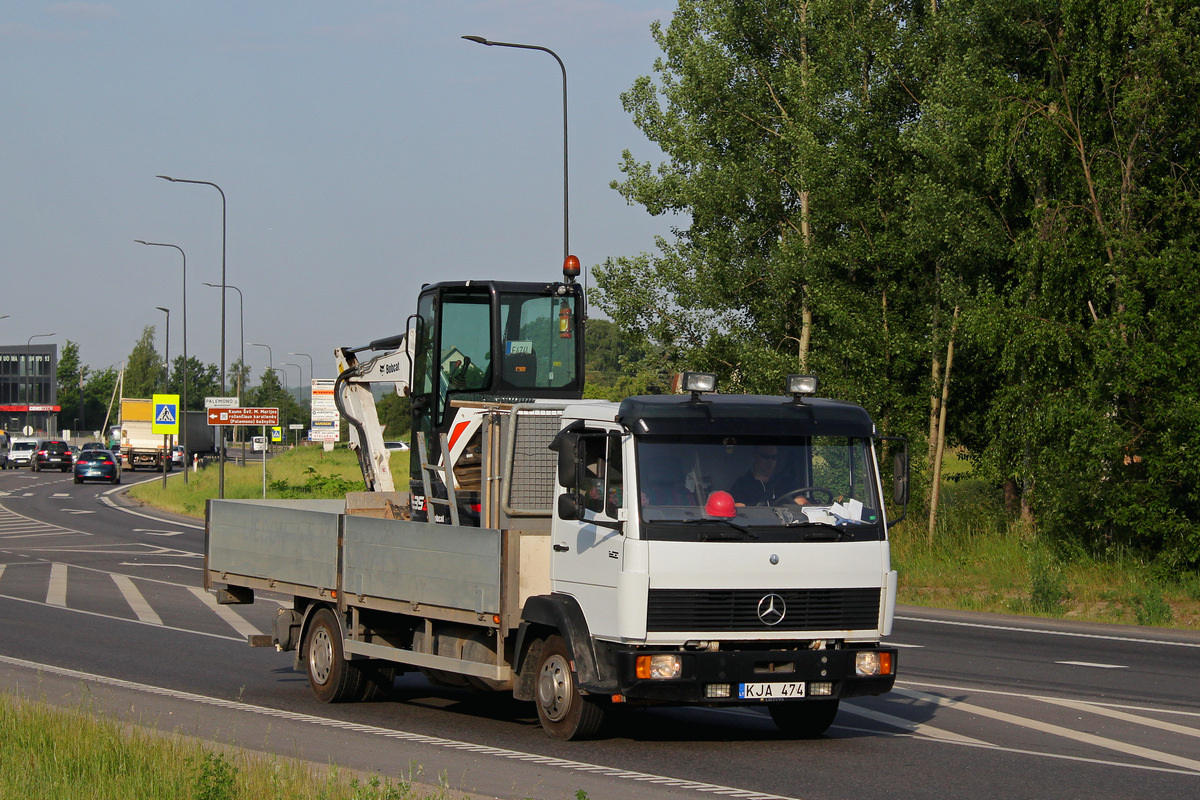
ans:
(50, 751)
(305, 472)
(982, 559)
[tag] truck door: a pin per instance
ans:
(586, 561)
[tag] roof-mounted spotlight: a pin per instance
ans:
(800, 385)
(699, 383)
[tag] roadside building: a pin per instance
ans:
(29, 388)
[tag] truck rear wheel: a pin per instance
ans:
(564, 712)
(805, 719)
(329, 673)
(334, 678)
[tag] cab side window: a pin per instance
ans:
(602, 480)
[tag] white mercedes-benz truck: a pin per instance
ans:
(694, 548)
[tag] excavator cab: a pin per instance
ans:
(474, 342)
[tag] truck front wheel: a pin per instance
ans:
(805, 719)
(564, 712)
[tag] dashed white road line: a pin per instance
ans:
(135, 599)
(1091, 664)
(56, 593)
(226, 613)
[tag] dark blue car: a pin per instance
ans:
(97, 465)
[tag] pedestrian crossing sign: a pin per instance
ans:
(166, 414)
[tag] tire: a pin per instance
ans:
(804, 719)
(564, 712)
(66, 469)
(332, 677)
(116, 480)
(78, 479)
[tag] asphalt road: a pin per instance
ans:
(104, 606)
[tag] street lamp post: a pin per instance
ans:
(166, 347)
(299, 382)
(561, 66)
(270, 354)
(221, 431)
(240, 431)
(310, 366)
(184, 400)
(167, 359)
(29, 371)
(284, 420)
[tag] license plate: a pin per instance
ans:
(770, 691)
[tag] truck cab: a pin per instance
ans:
(698, 586)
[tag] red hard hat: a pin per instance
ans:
(720, 504)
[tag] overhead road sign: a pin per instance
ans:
(243, 416)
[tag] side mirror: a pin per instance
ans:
(568, 462)
(900, 477)
(568, 506)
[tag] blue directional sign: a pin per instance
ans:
(166, 414)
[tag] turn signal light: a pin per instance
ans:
(658, 667)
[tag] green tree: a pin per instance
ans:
(203, 380)
(71, 376)
(143, 367)
(395, 414)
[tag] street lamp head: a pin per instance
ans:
(166, 178)
(141, 241)
(478, 39)
(160, 308)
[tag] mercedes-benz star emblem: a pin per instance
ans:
(772, 609)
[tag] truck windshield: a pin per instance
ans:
(804, 488)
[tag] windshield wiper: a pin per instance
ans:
(706, 536)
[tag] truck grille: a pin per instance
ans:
(729, 610)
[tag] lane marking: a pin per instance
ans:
(1025, 696)
(135, 599)
(56, 594)
(1056, 730)
(155, 532)
(1045, 632)
(1137, 719)
(1091, 664)
(239, 623)
(238, 639)
(907, 725)
(418, 738)
(108, 501)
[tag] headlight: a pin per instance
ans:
(871, 663)
(659, 667)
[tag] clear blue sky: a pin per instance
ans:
(363, 148)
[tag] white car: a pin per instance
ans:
(178, 457)
(396, 445)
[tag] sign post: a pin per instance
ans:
(166, 422)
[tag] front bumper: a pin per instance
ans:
(701, 670)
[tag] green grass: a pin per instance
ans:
(305, 472)
(983, 559)
(78, 752)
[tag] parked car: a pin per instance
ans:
(97, 465)
(20, 453)
(52, 453)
